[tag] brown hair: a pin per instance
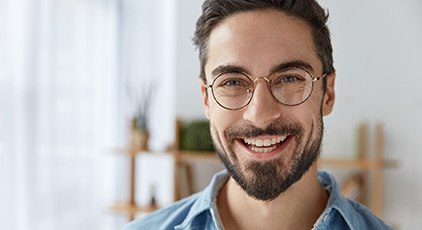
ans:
(215, 11)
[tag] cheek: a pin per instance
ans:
(308, 113)
(222, 119)
(314, 103)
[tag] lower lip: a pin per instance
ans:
(258, 156)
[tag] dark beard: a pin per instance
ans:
(270, 179)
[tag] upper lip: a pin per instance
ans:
(264, 142)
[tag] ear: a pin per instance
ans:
(329, 96)
(204, 92)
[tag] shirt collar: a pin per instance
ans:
(336, 201)
(207, 201)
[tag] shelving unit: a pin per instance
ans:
(130, 208)
(369, 166)
(137, 146)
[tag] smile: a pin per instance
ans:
(264, 145)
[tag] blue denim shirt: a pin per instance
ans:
(199, 211)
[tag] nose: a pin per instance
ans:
(263, 107)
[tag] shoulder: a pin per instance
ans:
(166, 218)
(342, 211)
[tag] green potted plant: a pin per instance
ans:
(195, 136)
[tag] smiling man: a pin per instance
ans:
(267, 81)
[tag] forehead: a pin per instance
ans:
(259, 40)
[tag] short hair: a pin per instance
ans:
(215, 11)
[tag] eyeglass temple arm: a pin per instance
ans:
(206, 86)
(319, 78)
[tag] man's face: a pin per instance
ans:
(266, 146)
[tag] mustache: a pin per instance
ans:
(274, 128)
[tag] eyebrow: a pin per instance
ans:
(278, 68)
(229, 69)
(290, 64)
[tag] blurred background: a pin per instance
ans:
(73, 75)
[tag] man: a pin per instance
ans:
(268, 79)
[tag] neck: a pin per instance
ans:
(297, 208)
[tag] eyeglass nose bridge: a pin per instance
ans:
(268, 81)
(252, 89)
(263, 78)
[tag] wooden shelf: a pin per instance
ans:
(130, 152)
(357, 163)
(131, 210)
(191, 156)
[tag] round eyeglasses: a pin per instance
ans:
(290, 86)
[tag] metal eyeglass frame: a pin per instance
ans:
(313, 79)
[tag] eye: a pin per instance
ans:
(288, 79)
(231, 80)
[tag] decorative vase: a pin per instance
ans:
(143, 139)
(140, 140)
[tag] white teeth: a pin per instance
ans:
(263, 150)
(265, 142)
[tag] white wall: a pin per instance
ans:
(188, 94)
(378, 54)
(147, 52)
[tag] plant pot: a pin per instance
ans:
(140, 140)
